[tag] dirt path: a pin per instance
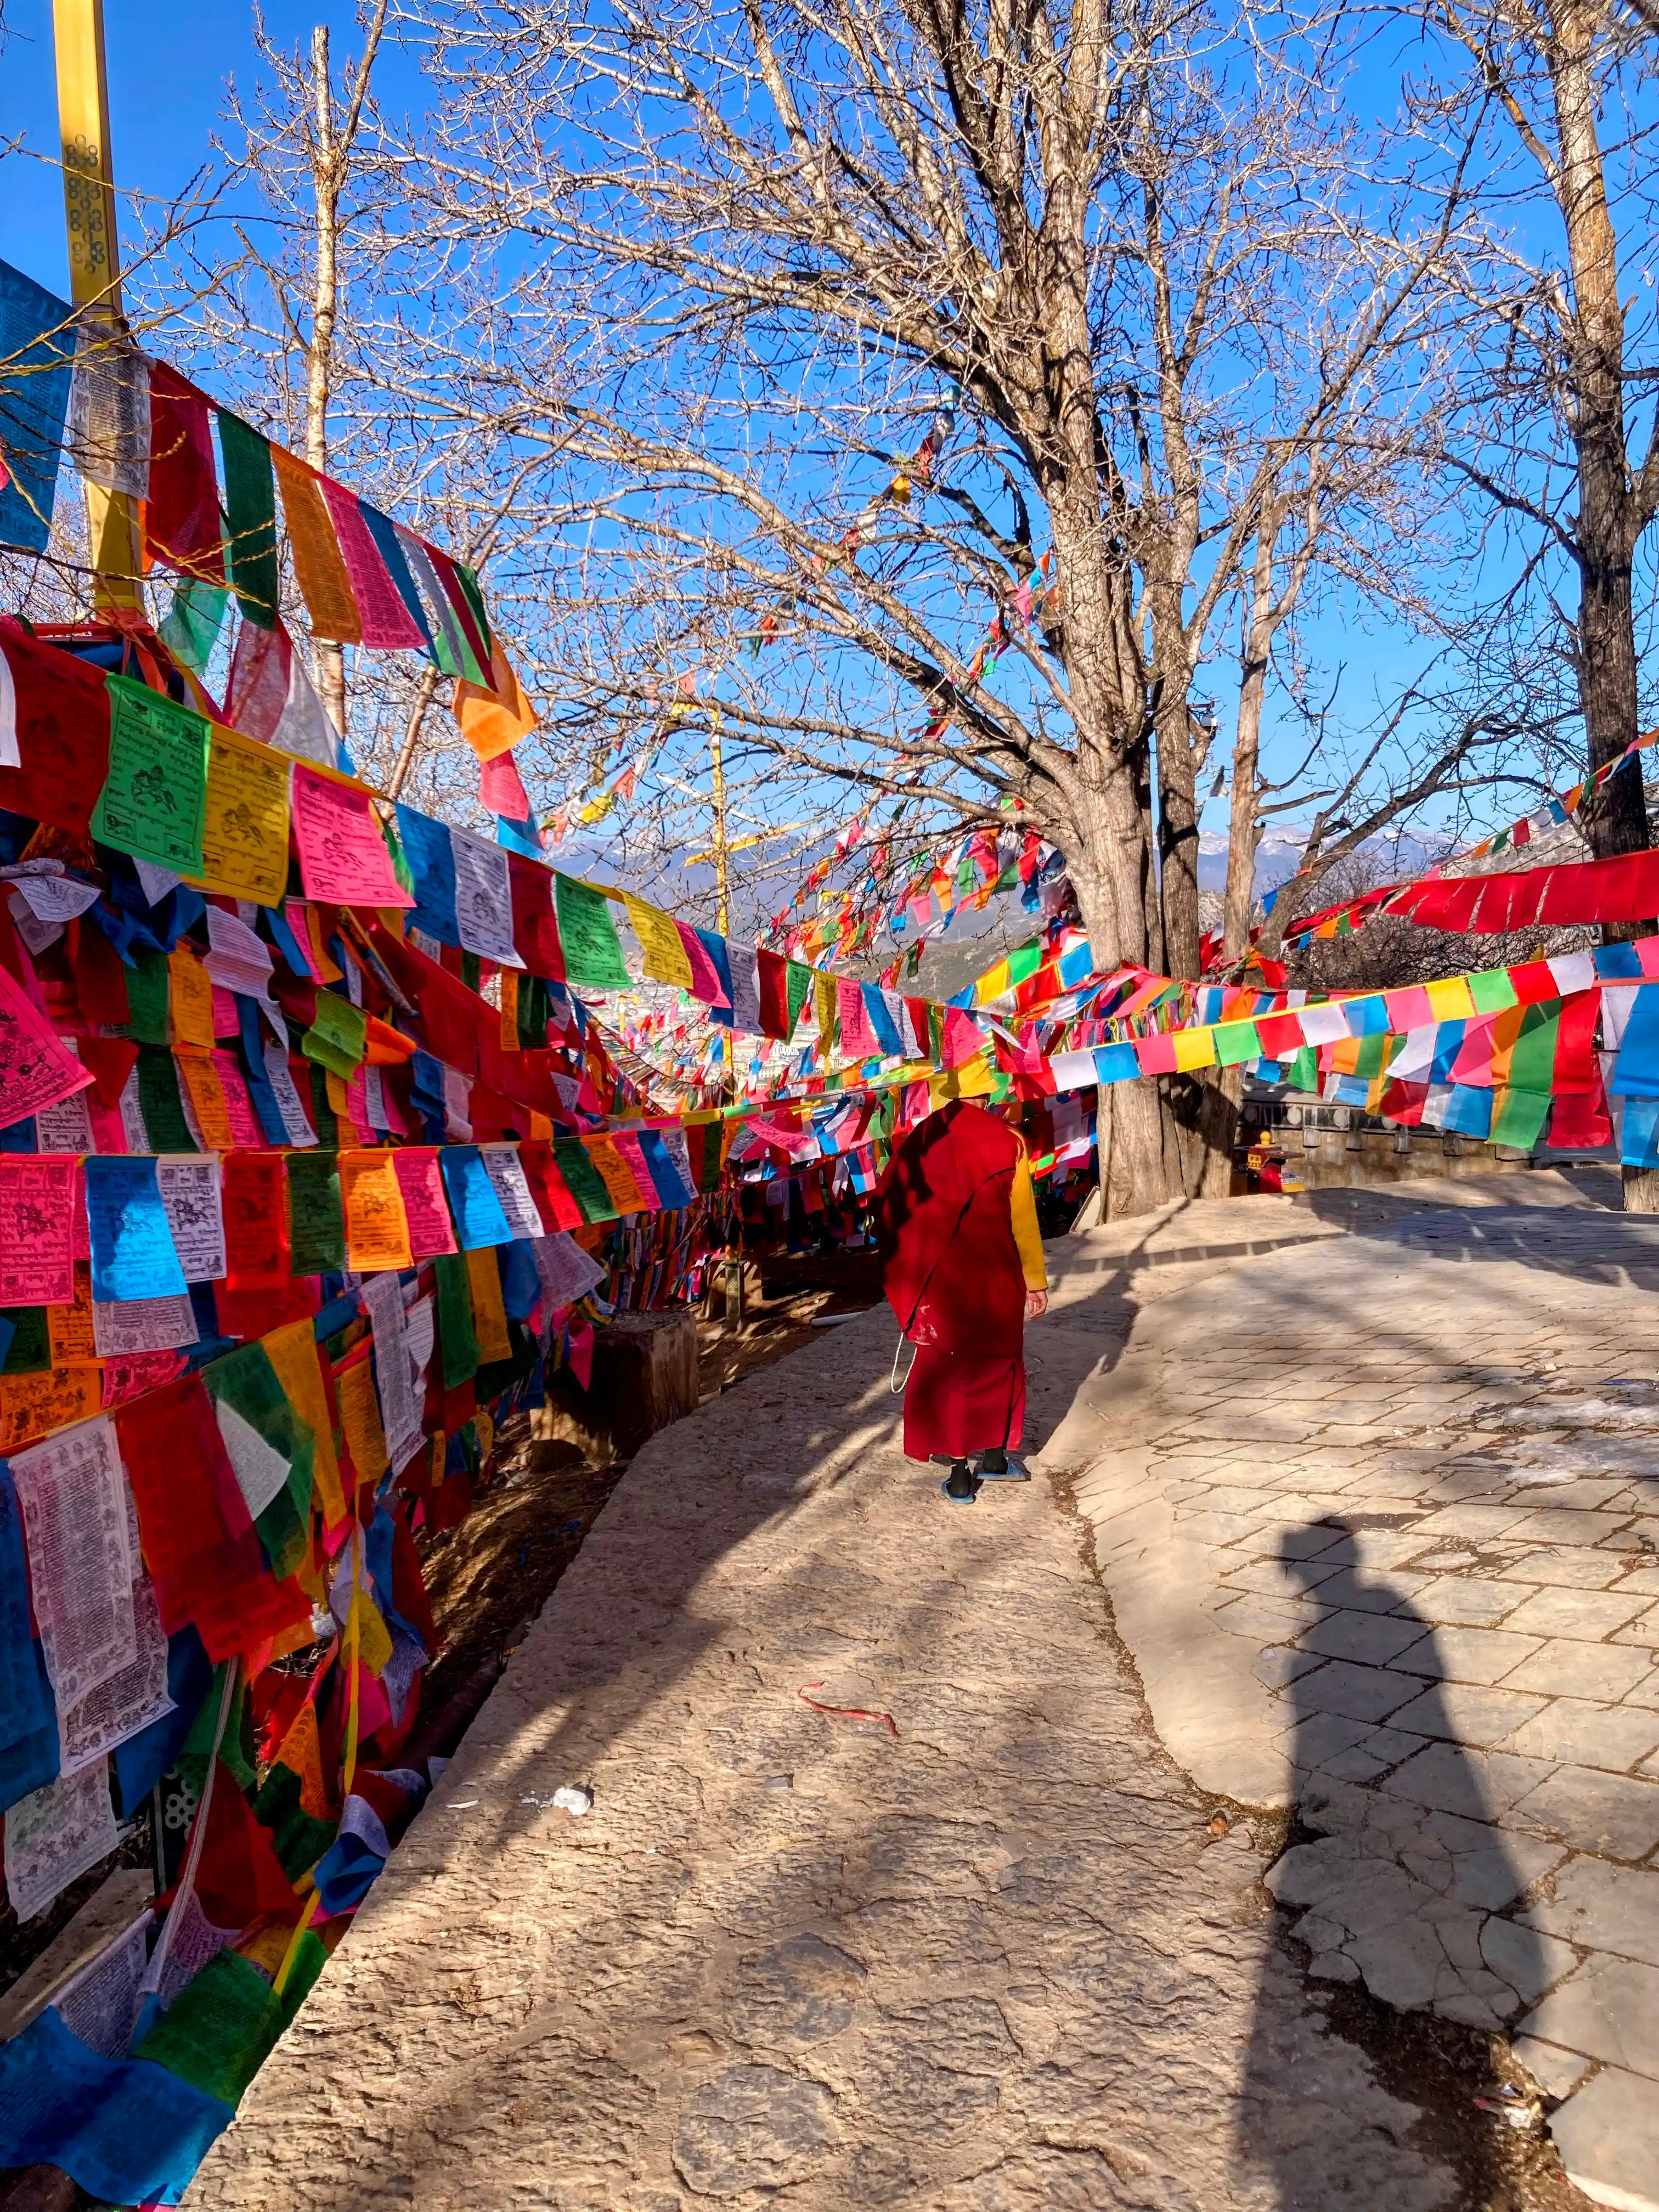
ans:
(989, 1959)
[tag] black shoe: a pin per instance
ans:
(961, 1486)
(997, 1467)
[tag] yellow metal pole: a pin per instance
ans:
(722, 908)
(729, 1082)
(94, 257)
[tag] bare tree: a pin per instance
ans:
(1548, 435)
(1127, 236)
(1545, 434)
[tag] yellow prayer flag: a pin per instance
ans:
(666, 957)
(360, 1422)
(824, 999)
(1448, 998)
(509, 980)
(207, 1097)
(484, 1276)
(33, 1405)
(1195, 1049)
(245, 840)
(292, 1350)
(376, 1226)
(190, 1000)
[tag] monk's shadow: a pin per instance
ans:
(1396, 1896)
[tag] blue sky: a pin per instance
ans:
(166, 86)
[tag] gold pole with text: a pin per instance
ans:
(94, 256)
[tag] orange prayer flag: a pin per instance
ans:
(318, 568)
(493, 721)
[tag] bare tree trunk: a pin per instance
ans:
(1616, 819)
(1178, 834)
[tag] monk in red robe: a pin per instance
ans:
(963, 1269)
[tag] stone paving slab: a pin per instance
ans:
(992, 1961)
(1443, 1647)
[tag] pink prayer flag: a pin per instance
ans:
(35, 1070)
(858, 1039)
(1155, 1054)
(343, 861)
(37, 1238)
(634, 1154)
(386, 621)
(431, 1232)
(963, 1036)
(581, 1352)
(501, 787)
(245, 1132)
(1407, 1009)
(226, 1022)
(705, 982)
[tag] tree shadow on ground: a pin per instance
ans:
(1393, 1899)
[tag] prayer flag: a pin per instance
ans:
(251, 505)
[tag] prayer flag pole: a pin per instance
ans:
(94, 258)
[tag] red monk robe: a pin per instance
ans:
(961, 1264)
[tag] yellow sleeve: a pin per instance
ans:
(1027, 1238)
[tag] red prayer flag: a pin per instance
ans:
(181, 514)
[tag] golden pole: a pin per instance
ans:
(723, 923)
(94, 256)
(722, 908)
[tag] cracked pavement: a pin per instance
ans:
(1379, 1521)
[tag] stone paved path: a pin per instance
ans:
(990, 1962)
(1380, 1525)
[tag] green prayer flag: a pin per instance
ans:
(250, 509)
(338, 1036)
(220, 2029)
(1373, 1054)
(299, 1838)
(159, 1104)
(1518, 1117)
(154, 802)
(797, 984)
(592, 950)
(582, 1179)
(190, 628)
(1303, 1070)
(1491, 991)
(533, 1006)
(323, 1117)
(147, 997)
(1236, 1042)
(316, 1218)
(458, 1342)
(263, 1435)
(1024, 961)
(1532, 1064)
(475, 599)
(472, 971)
(29, 1351)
